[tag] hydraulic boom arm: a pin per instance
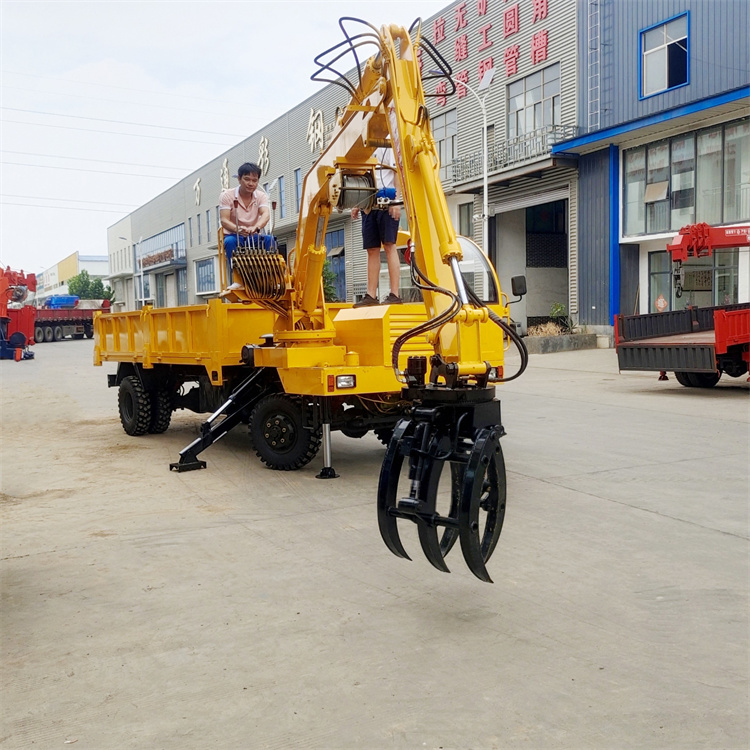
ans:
(455, 420)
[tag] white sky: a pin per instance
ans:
(106, 104)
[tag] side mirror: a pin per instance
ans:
(518, 285)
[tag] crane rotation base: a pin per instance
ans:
(461, 429)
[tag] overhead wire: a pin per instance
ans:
(113, 132)
(84, 158)
(94, 171)
(119, 122)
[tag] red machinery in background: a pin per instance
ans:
(698, 344)
(16, 318)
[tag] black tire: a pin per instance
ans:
(279, 435)
(49, 334)
(89, 330)
(683, 379)
(161, 411)
(704, 379)
(39, 334)
(384, 434)
(135, 406)
(57, 333)
(78, 336)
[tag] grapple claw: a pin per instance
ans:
(388, 489)
(466, 436)
(484, 489)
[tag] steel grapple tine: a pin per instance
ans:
(388, 491)
(483, 489)
(428, 533)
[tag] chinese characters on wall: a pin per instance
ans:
(497, 39)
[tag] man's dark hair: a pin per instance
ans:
(248, 168)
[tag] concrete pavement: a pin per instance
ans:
(239, 607)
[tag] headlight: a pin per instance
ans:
(346, 381)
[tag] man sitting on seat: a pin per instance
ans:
(243, 212)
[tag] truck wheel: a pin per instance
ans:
(39, 334)
(58, 333)
(135, 406)
(279, 435)
(49, 334)
(89, 331)
(704, 379)
(683, 379)
(161, 411)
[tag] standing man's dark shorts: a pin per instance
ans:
(378, 228)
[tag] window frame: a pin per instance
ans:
(282, 198)
(298, 187)
(447, 143)
(466, 219)
(513, 114)
(196, 268)
(699, 182)
(642, 56)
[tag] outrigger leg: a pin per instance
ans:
(327, 472)
(463, 429)
(211, 431)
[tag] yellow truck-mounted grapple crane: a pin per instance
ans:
(275, 354)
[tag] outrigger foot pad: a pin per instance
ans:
(465, 433)
(187, 465)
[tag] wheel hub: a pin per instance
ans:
(279, 432)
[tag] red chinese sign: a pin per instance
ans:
(511, 24)
(514, 18)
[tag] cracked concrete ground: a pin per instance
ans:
(239, 607)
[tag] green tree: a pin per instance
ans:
(84, 287)
(329, 283)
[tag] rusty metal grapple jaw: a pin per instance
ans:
(460, 428)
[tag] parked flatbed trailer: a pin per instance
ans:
(697, 344)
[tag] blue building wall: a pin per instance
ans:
(593, 239)
(719, 54)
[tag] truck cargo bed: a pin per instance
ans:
(684, 340)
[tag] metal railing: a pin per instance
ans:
(514, 152)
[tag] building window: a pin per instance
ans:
(190, 230)
(298, 188)
(634, 189)
(161, 290)
(701, 176)
(198, 224)
(208, 225)
(143, 289)
(444, 131)
(466, 219)
(657, 187)
(534, 102)
(182, 296)
(659, 281)
(737, 171)
(334, 243)
(282, 201)
(169, 245)
(682, 186)
(726, 277)
(708, 280)
(205, 277)
(709, 175)
(664, 56)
